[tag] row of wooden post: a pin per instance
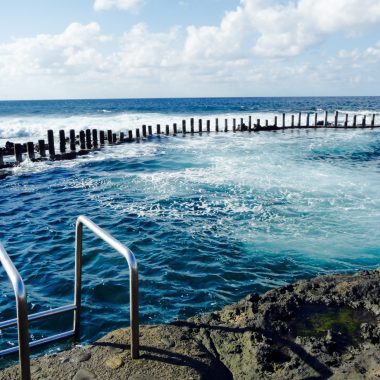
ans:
(94, 139)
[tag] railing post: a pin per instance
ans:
(22, 312)
(134, 312)
(78, 279)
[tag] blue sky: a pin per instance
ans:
(178, 48)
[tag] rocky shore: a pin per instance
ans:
(326, 327)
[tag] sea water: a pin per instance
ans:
(210, 218)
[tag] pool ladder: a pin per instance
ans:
(23, 318)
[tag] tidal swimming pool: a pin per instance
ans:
(209, 219)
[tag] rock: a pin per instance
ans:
(326, 327)
(81, 357)
(84, 374)
(168, 343)
(114, 362)
(35, 368)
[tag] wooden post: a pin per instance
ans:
(121, 136)
(241, 124)
(51, 143)
(346, 121)
(192, 125)
(82, 140)
(184, 127)
(158, 129)
(95, 138)
(216, 125)
(336, 119)
(250, 123)
(88, 138)
(208, 126)
(266, 123)
(354, 122)
(234, 125)
(373, 121)
(315, 119)
(299, 119)
(225, 125)
(144, 130)
(292, 121)
(62, 141)
(109, 136)
(1, 158)
(72, 140)
(364, 121)
(150, 133)
(130, 136)
(283, 120)
(200, 126)
(258, 123)
(114, 138)
(275, 121)
(308, 120)
(175, 129)
(167, 130)
(18, 152)
(326, 118)
(30, 149)
(102, 137)
(42, 148)
(137, 133)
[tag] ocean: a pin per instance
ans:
(210, 218)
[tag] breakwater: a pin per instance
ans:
(79, 144)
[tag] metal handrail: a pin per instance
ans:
(22, 311)
(133, 278)
(23, 318)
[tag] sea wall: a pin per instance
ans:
(326, 327)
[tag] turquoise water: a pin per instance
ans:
(210, 218)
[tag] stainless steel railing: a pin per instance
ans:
(22, 313)
(23, 319)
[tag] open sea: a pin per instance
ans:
(210, 218)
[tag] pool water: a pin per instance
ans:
(210, 218)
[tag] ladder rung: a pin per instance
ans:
(49, 339)
(42, 314)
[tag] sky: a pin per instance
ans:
(54, 49)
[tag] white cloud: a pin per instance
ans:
(215, 42)
(47, 54)
(366, 56)
(275, 28)
(142, 48)
(126, 5)
(237, 57)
